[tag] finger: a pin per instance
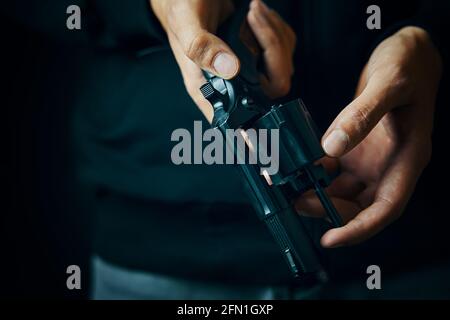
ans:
(193, 79)
(279, 68)
(205, 49)
(331, 165)
(346, 186)
(310, 206)
(263, 26)
(394, 190)
(284, 31)
(356, 121)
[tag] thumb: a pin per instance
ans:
(209, 52)
(356, 121)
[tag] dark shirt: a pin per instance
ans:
(125, 95)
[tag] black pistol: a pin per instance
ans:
(240, 104)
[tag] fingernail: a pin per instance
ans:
(225, 65)
(336, 143)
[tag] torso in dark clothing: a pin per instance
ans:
(194, 220)
(120, 107)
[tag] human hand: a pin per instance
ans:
(383, 138)
(190, 27)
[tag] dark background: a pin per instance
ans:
(44, 229)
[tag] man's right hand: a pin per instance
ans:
(190, 27)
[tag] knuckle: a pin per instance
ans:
(273, 39)
(361, 118)
(197, 48)
(283, 86)
(399, 78)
